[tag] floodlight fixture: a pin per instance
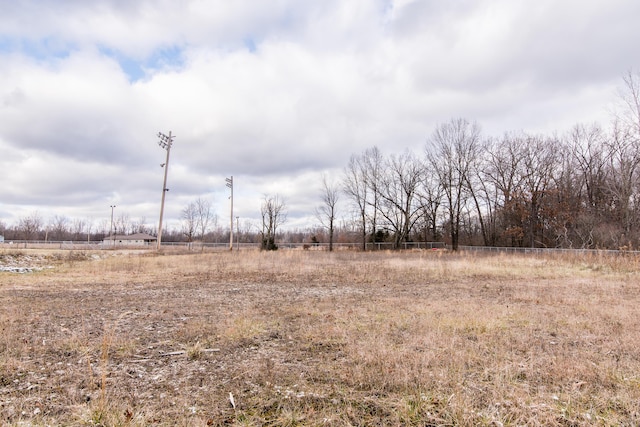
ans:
(165, 140)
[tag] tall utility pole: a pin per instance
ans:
(230, 185)
(165, 142)
(111, 230)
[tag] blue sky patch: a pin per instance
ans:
(250, 44)
(41, 50)
(137, 69)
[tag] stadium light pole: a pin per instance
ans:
(230, 185)
(111, 230)
(166, 141)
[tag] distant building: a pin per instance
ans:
(138, 239)
(1, 238)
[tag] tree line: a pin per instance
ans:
(580, 191)
(577, 190)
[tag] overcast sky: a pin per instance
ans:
(277, 92)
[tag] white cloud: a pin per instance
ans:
(274, 93)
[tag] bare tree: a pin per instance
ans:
(430, 196)
(326, 213)
(398, 194)
(122, 224)
(274, 214)
(450, 153)
(565, 202)
(587, 147)
(30, 226)
(629, 114)
(140, 226)
(356, 189)
(204, 217)
(482, 194)
(78, 226)
(58, 228)
(104, 227)
(538, 166)
(624, 147)
(503, 172)
(624, 169)
(189, 222)
(374, 167)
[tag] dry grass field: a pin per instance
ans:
(320, 339)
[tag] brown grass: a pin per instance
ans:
(316, 338)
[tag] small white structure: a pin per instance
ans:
(138, 239)
(1, 238)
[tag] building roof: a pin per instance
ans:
(136, 236)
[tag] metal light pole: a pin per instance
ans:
(165, 142)
(111, 230)
(230, 185)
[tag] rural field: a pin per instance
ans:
(309, 338)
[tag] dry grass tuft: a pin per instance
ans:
(313, 338)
